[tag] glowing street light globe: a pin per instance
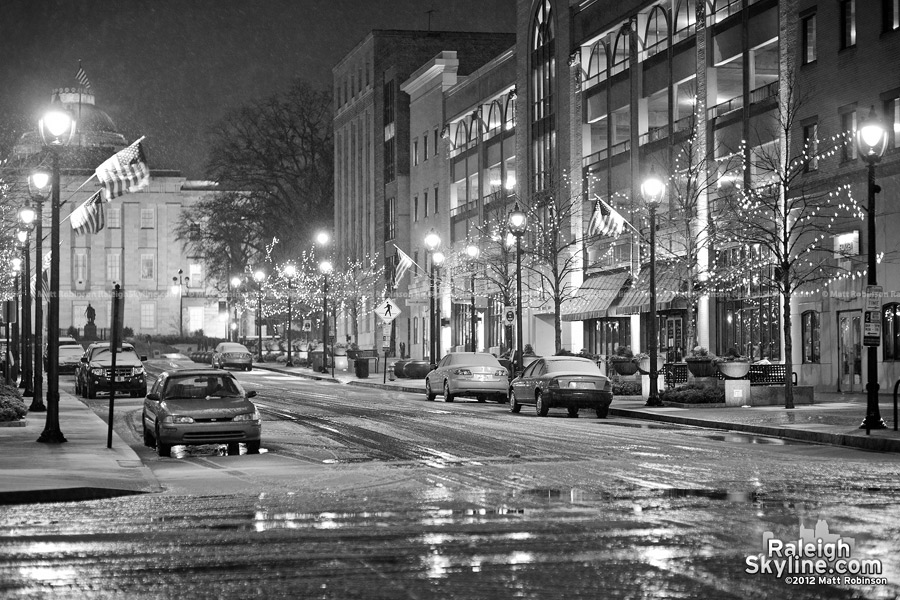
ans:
(322, 238)
(871, 137)
(652, 189)
(432, 241)
(472, 251)
(325, 267)
(517, 221)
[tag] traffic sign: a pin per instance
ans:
(307, 324)
(873, 297)
(387, 310)
(509, 314)
(872, 328)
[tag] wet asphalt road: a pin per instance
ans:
(368, 494)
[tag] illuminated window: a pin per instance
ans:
(848, 23)
(810, 332)
(809, 39)
(543, 83)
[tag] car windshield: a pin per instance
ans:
(124, 353)
(573, 366)
(476, 359)
(71, 351)
(203, 386)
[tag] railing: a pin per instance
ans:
(726, 107)
(684, 123)
(595, 157)
(463, 208)
(620, 148)
(653, 135)
(770, 90)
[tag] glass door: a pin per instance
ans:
(850, 351)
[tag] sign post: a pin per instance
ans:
(115, 343)
(872, 320)
(387, 310)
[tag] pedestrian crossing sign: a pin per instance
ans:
(387, 310)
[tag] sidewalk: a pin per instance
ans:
(833, 419)
(82, 468)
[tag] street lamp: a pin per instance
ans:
(13, 349)
(472, 252)
(26, 217)
(516, 222)
(432, 243)
(235, 283)
(57, 128)
(39, 185)
(325, 267)
(871, 139)
(653, 189)
(289, 272)
(259, 276)
(180, 283)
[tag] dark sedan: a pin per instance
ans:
(566, 382)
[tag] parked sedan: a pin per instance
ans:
(562, 381)
(477, 374)
(200, 406)
(230, 354)
(69, 358)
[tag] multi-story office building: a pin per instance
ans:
(136, 249)
(372, 138)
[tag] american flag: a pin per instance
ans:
(90, 217)
(45, 279)
(125, 171)
(82, 78)
(606, 220)
(402, 266)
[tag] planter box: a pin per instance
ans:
(399, 367)
(701, 368)
(623, 367)
(416, 369)
(734, 370)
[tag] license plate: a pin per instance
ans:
(581, 385)
(480, 377)
(120, 379)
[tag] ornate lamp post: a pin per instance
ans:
(259, 276)
(517, 222)
(653, 189)
(14, 347)
(871, 139)
(432, 243)
(39, 184)
(235, 284)
(325, 268)
(57, 128)
(290, 271)
(26, 217)
(179, 282)
(472, 252)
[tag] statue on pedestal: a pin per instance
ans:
(90, 329)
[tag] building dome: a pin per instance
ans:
(95, 131)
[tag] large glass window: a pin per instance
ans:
(809, 39)
(892, 118)
(848, 23)
(148, 218)
(848, 129)
(148, 264)
(890, 15)
(811, 146)
(390, 225)
(114, 266)
(148, 315)
(390, 161)
(543, 82)
(810, 333)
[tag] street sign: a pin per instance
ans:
(387, 310)
(307, 324)
(872, 328)
(873, 297)
(385, 342)
(509, 315)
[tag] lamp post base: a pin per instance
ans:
(873, 422)
(653, 402)
(37, 405)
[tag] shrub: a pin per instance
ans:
(626, 388)
(694, 394)
(12, 408)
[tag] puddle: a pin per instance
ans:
(644, 425)
(740, 438)
(726, 495)
(573, 495)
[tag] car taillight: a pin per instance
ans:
(501, 373)
(462, 372)
(554, 383)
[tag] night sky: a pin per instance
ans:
(169, 69)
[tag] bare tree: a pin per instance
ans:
(355, 284)
(783, 215)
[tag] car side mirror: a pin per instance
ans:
(143, 357)
(153, 396)
(251, 394)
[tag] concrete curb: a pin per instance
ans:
(382, 386)
(879, 444)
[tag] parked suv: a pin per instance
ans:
(95, 372)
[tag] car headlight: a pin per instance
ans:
(178, 419)
(254, 416)
(98, 371)
(462, 372)
(137, 371)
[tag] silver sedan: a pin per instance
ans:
(477, 374)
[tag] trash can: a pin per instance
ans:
(361, 367)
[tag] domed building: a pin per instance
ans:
(137, 247)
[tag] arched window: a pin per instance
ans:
(461, 137)
(656, 35)
(509, 117)
(474, 127)
(495, 115)
(685, 21)
(598, 63)
(621, 50)
(543, 83)
(810, 334)
(891, 331)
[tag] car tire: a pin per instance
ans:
(162, 450)
(602, 412)
(91, 393)
(502, 398)
(448, 397)
(429, 393)
(573, 413)
(514, 405)
(234, 449)
(249, 368)
(540, 406)
(253, 447)
(481, 398)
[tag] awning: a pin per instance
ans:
(637, 299)
(594, 297)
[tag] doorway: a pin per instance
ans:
(850, 351)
